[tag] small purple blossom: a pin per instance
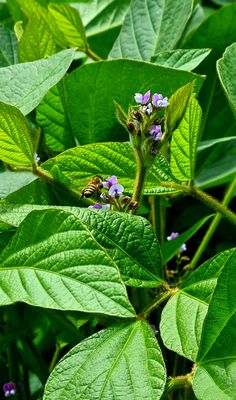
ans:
(116, 190)
(173, 235)
(147, 109)
(158, 100)
(155, 132)
(109, 182)
(98, 206)
(142, 99)
(9, 389)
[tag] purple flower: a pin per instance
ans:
(9, 389)
(116, 190)
(155, 131)
(109, 182)
(172, 236)
(142, 99)
(98, 206)
(158, 101)
(147, 109)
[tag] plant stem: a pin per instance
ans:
(147, 311)
(215, 204)
(179, 382)
(55, 357)
(93, 55)
(140, 178)
(212, 227)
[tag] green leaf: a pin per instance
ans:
(170, 248)
(183, 316)
(8, 47)
(225, 68)
(151, 26)
(59, 264)
(70, 24)
(37, 40)
(52, 118)
(15, 143)
(78, 165)
(92, 89)
(216, 360)
(121, 362)
(212, 33)
(183, 148)
(177, 105)
(12, 181)
(186, 60)
(206, 144)
(24, 85)
(128, 240)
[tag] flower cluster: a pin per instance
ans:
(113, 197)
(157, 100)
(9, 389)
(174, 235)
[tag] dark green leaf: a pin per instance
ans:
(121, 362)
(59, 264)
(151, 26)
(8, 47)
(15, 143)
(24, 85)
(225, 68)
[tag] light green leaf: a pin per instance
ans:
(60, 265)
(182, 59)
(12, 181)
(206, 144)
(216, 360)
(171, 247)
(52, 118)
(134, 248)
(151, 26)
(15, 143)
(177, 105)
(70, 24)
(183, 316)
(37, 40)
(225, 68)
(78, 165)
(8, 47)
(184, 143)
(92, 89)
(24, 85)
(122, 362)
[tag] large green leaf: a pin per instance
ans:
(183, 148)
(151, 26)
(59, 264)
(52, 118)
(8, 47)
(122, 362)
(37, 40)
(15, 143)
(181, 59)
(225, 68)
(12, 181)
(78, 165)
(69, 22)
(171, 247)
(24, 85)
(216, 360)
(128, 240)
(206, 144)
(92, 89)
(183, 317)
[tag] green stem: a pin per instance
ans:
(214, 204)
(212, 227)
(140, 178)
(147, 311)
(55, 357)
(93, 55)
(179, 382)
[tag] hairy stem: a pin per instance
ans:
(179, 382)
(93, 55)
(212, 227)
(139, 179)
(165, 296)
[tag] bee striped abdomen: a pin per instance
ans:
(93, 187)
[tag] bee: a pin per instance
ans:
(93, 187)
